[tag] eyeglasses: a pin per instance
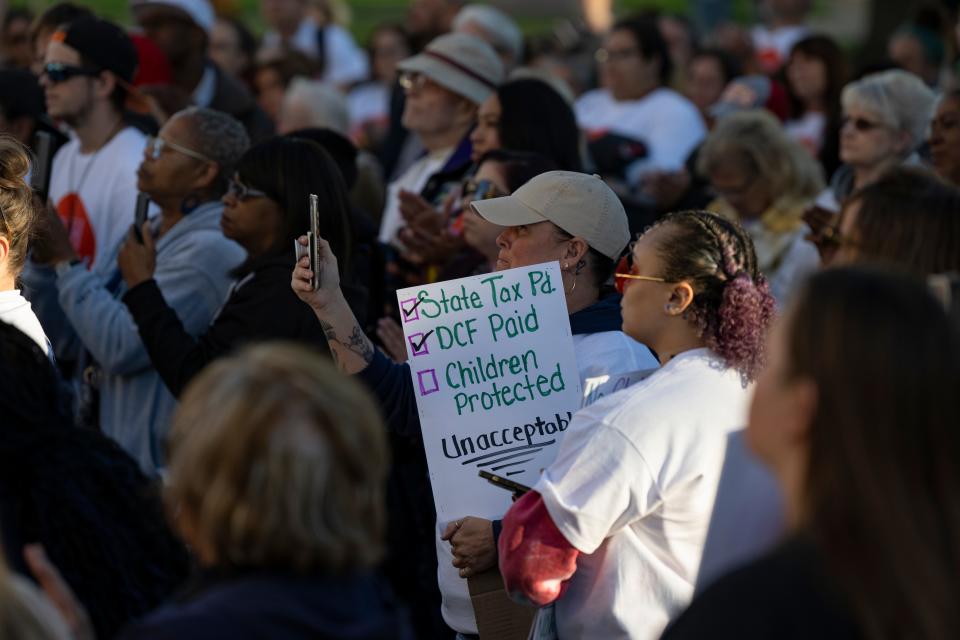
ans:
(156, 145)
(57, 72)
(412, 81)
(241, 191)
(603, 56)
(475, 190)
(623, 276)
(861, 124)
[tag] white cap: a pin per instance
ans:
(464, 64)
(200, 11)
(580, 204)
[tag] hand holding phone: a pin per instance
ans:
(312, 248)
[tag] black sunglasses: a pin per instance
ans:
(58, 72)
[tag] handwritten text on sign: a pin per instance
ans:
(496, 379)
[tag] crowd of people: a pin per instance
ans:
(205, 434)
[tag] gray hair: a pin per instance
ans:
(756, 139)
(500, 30)
(326, 105)
(899, 98)
(219, 137)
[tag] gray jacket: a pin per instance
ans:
(193, 264)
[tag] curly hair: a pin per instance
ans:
(732, 305)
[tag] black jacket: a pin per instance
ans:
(264, 606)
(788, 594)
(261, 306)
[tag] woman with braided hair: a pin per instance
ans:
(614, 530)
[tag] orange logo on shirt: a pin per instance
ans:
(74, 217)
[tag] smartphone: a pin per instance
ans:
(40, 174)
(504, 483)
(311, 249)
(140, 215)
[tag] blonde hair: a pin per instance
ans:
(17, 215)
(756, 139)
(279, 461)
(899, 98)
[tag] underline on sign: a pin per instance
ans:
(513, 473)
(511, 464)
(516, 455)
(500, 453)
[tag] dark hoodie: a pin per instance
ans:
(412, 563)
(264, 606)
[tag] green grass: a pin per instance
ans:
(369, 13)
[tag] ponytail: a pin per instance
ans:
(732, 305)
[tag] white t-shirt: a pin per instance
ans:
(16, 310)
(96, 193)
(414, 180)
(808, 130)
(667, 123)
(606, 352)
(344, 62)
(633, 488)
(772, 46)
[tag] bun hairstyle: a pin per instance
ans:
(732, 305)
(17, 215)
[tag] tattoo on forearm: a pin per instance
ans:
(357, 342)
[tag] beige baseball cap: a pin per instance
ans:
(580, 204)
(464, 64)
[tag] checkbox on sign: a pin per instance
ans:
(428, 381)
(408, 309)
(418, 343)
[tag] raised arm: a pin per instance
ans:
(351, 348)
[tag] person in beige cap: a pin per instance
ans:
(444, 86)
(563, 216)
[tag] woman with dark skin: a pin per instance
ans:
(266, 210)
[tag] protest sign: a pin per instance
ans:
(496, 380)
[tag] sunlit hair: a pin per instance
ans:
(732, 306)
(17, 215)
(279, 462)
(899, 98)
(880, 492)
(756, 141)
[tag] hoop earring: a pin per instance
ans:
(574, 285)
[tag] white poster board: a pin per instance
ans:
(496, 379)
